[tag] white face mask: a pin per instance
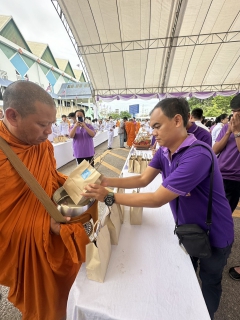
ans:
(71, 121)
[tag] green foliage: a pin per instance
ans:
(212, 107)
(125, 114)
(114, 115)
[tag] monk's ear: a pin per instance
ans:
(12, 116)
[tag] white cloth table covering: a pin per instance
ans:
(63, 151)
(148, 277)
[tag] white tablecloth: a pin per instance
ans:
(149, 277)
(63, 151)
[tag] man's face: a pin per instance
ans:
(35, 128)
(64, 119)
(164, 129)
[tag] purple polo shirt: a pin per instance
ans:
(229, 158)
(188, 174)
(200, 134)
(83, 146)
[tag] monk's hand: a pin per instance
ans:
(56, 226)
(95, 191)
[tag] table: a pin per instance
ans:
(149, 277)
(63, 151)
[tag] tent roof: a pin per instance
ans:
(136, 47)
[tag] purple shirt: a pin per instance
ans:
(200, 134)
(83, 146)
(188, 174)
(229, 158)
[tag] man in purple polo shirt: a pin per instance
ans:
(182, 178)
(228, 145)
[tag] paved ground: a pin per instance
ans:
(110, 163)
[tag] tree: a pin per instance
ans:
(212, 107)
(125, 114)
(114, 115)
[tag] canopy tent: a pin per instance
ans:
(155, 48)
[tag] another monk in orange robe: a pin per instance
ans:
(39, 258)
(131, 132)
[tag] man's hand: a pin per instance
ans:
(104, 182)
(55, 226)
(95, 191)
(235, 122)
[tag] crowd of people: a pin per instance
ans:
(36, 251)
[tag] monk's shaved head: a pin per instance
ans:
(22, 95)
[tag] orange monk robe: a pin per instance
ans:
(130, 129)
(117, 123)
(39, 267)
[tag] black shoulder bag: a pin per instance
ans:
(193, 238)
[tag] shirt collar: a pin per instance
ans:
(193, 128)
(186, 143)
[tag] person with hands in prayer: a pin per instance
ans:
(179, 165)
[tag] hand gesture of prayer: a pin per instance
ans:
(235, 122)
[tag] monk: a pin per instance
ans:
(131, 132)
(39, 258)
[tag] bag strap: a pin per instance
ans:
(209, 211)
(31, 181)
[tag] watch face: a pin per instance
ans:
(109, 200)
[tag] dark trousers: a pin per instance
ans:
(89, 159)
(232, 191)
(210, 273)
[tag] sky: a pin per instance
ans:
(38, 21)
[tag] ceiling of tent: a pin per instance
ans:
(158, 46)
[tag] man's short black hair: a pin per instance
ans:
(125, 118)
(235, 102)
(172, 106)
(197, 113)
(71, 115)
(64, 116)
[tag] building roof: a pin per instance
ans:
(4, 21)
(156, 46)
(37, 48)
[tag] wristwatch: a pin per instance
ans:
(237, 135)
(109, 199)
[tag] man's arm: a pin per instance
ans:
(220, 145)
(150, 200)
(138, 181)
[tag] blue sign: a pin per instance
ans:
(133, 109)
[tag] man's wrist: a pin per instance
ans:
(236, 134)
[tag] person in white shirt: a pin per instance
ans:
(95, 125)
(101, 125)
(220, 122)
(55, 132)
(196, 116)
(110, 126)
(64, 126)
